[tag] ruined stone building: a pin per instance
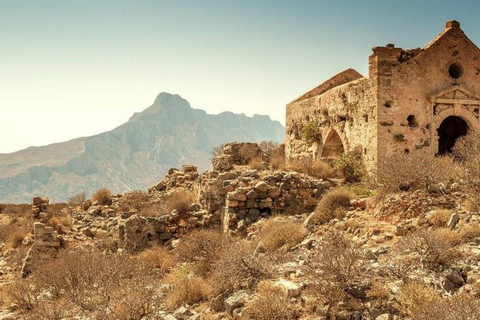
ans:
(412, 99)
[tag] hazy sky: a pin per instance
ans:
(76, 68)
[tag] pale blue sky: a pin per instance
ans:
(76, 68)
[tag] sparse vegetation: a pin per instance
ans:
(188, 291)
(350, 166)
(416, 170)
(103, 196)
(202, 249)
(282, 234)
(271, 303)
(237, 267)
(179, 200)
(77, 200)
(310, 132)
(334, 204)
(334, 269)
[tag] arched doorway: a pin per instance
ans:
(449, 131)
(333, 147)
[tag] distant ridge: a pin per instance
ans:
(134, 155)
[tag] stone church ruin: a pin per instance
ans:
(412, 99)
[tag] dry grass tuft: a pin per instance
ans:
(188, 291)
(334, 204)
(180, 200)
(103, 196)
(271, 303)
(286, 234)
(256, 164)
(136, 199)
(158, 259)
(414, 296)
(237, 267)
(201, 249)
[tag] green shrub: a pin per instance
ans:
(350, 166)
(310, 133)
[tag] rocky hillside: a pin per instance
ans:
(132, 156)
(246, 242)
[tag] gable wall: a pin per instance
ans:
(409, 84)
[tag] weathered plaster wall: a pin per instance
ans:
(349, 109)
(406, 87)
(398, 108)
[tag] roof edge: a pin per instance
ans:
(343, 77)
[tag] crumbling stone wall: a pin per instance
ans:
(413, 99)
(44, 247)
(346, 113)
(39, 205)
(232, 199)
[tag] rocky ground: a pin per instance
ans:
(276, 244)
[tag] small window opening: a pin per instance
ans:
(412, 121)
(388, 104)
(455, 70)
(407, 151)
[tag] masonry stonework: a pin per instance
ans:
(411, 100)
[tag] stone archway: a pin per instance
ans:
(451, 128)
(333, 146)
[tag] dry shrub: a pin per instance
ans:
(94, 282)
(416, 170)
(378, 291)
(52, 310)
(439, 218)
(201, 248)
(433, 247)
(334, 268)
(132, 300)
(459, 307)
(277, 159)
(334, 204)
(286, 234)
(469, 231)
(322, 170)
(217, 151)
(467, 152)
(136, 199)
(237, 267)
(414, 296)
(318, 169)
(153, 209)
(77, 200)
(300, 165)
(249, 151)
(60, 223)
(103, 196)
(188, 291)
(256, 164)
(269, 148)
(158, 259)
(271, 303)
(24, 293)
(179, 200)
(14, 237)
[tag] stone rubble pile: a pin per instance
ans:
(39, 205)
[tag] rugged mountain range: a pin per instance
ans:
(132, 156)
